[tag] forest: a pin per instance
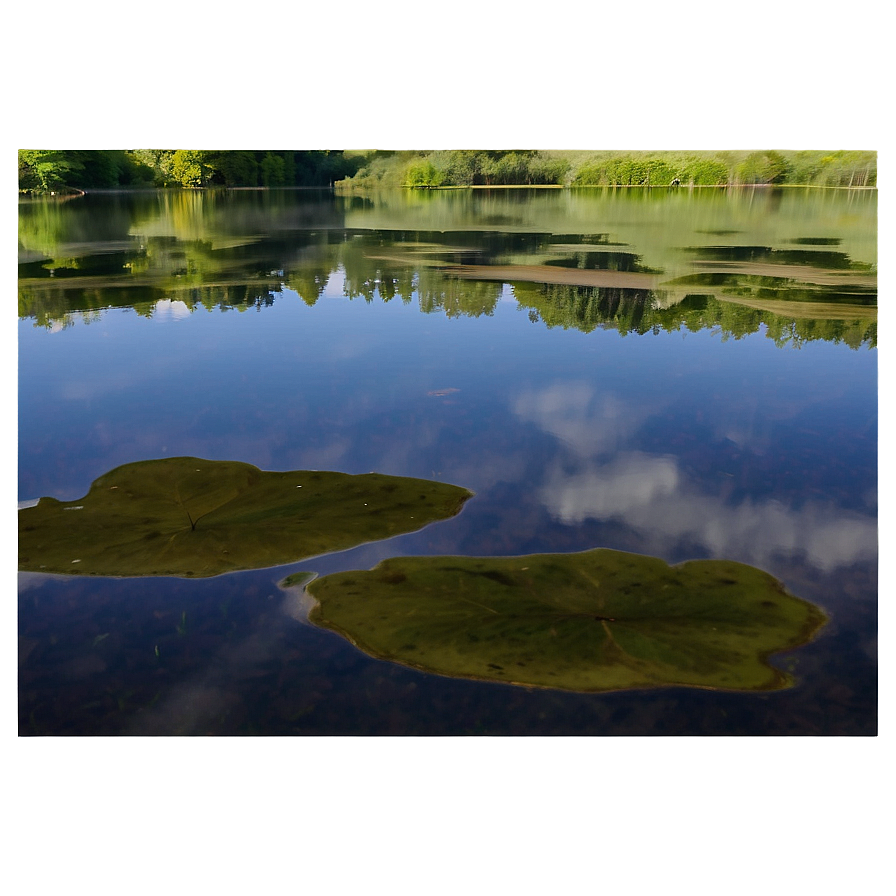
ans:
(43, 171)
(62, 171)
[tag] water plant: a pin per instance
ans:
(599, 620)
(184, 516)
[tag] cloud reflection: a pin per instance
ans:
(170, 309)
(652, 495)
(576, 414)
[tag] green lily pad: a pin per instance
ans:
(595, 621)
(183, 516)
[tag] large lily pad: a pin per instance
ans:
(183, 516)
(595, 621)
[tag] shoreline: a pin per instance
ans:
(339, 187)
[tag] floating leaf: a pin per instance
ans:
(595, 621)
(183, 516)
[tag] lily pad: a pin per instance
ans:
(184, 516)
(600, 620)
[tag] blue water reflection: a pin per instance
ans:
(673, 443)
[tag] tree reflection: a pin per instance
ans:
(586, 308)
(222, 251)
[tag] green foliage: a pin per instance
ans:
(592, 622)
(272, 170)
(379, 169)
(190, 168)
(704, 172)
(184, 516)
(101, 169)
(47, 170)
(510, 168)
(658, 170)
(156, 161)
(844, 168)
(423, 174)
(860, 166)
(549, 170)
(331, 166)
(460, 168)
(237, 168)
(53, 170)
(56, 170)
(134, 172)
(591, 174)
(767, 167)
(520, 167)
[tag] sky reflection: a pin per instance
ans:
(652, 495)
(599, 474)
(580, 418)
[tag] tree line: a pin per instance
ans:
(62, 170)
(460, 168)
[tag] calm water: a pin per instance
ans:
(682, 375)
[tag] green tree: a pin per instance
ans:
(848, 168)
(423, 174)
(272, 170)
(132, 171)
(47, 169)
(190, 168)
(237, 168)
(704, 172)
(544, 170)
(767, 167)
(156, 161)
(463, 168)
(289, 167)
(98, 168)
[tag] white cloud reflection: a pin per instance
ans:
(576, 414)
(170, 309)
(652, 495)
(630, 484)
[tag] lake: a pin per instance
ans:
(687, 375)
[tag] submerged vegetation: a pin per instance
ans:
(596, 621)
(62, 170)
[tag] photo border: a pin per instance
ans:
(438, 815)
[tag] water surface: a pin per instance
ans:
(685, 375)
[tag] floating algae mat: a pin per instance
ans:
(595, 621)
(183, 516)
